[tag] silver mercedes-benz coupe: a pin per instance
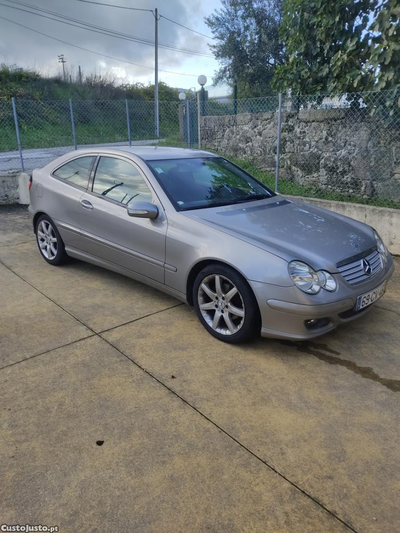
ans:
(199, 228)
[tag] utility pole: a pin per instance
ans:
(156, 108)
(62, 60)
(80, 74)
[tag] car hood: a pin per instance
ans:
(292, 230)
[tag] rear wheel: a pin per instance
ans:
(225, 304)
(49, 241)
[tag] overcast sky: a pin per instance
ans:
(27, 49)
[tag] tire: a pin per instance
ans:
(227, 308)
(49, 241)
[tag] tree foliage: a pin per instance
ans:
(341, 46)
(385, 44)
(248, 45)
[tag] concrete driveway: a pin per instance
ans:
(119, 413)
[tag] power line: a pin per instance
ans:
(113, 5)
(99, 29)
(137, 9)
(186, 28)
(77, 20)
(93, 52)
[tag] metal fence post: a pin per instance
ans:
(156, 99)
(188, 122)
(198, 120)
(72, 122)
(235, 98)
(17, 132)
(128, 122)
(278, 144)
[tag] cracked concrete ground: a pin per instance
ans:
(119, 413)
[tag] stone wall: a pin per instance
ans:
(342, 150)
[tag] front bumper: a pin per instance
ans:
(285, 310)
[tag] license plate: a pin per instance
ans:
(370, 297)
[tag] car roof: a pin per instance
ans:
(149, 153)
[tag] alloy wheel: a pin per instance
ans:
(221, 304)
(47, 240)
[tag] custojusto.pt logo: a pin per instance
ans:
(27, 528)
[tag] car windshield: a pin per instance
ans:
(196, 183)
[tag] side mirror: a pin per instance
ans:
(142, 210)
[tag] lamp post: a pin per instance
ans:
(202, 80)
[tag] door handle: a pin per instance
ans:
(86, 204)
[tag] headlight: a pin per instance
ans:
(309, 281)
(381, 247)
(327, 281)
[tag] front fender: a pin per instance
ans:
(190, 243)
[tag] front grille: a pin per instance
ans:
(353, 272)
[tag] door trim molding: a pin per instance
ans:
(67, 227)
(123, 249)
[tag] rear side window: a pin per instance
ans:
(76, 171)
(120, 181)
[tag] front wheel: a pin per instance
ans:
(49, 241)
(225, 304)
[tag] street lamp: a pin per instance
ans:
(182, 96)
(202, 80)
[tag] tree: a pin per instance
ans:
(248, 45)
(341, 46)
(385, 44)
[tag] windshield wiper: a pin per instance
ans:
(230, 202)
(251, 197)
(206, 206)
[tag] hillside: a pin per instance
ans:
(99, 110)
(31, 85)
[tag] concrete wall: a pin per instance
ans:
(14, 188)
(385, 221)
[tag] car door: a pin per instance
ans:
(61, 196)
(109, 232)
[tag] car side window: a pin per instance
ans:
(120, 181)
(76, 171)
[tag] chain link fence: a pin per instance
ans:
(344, 147)
(48, 129)
(8, 139)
